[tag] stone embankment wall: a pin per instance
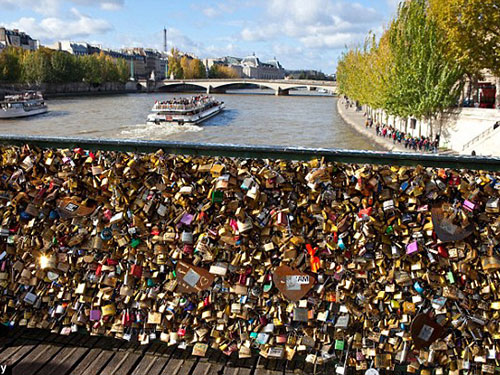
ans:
(75, 88)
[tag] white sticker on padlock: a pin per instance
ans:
(294, 282)
(372, 371)
(191, 278)
(425, 333)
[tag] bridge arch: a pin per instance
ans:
(227, 85)
(165, 87)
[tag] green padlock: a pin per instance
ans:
(450, 277)
(339, 344)
(135, 242)
(217, 196)
(389, 229)
(150, 282)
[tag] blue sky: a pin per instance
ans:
(301, 34)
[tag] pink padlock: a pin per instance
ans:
(412, 247)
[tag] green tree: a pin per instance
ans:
(37, 68)
(65, 67)
(425, 80)
(11, 64)
(123, 70)
(91, 69)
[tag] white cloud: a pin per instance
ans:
(45, 7)
(53, 28)
(52, 7)
(210, 12)
(104, 4)
(316, 23)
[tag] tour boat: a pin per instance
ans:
(22, 105)
(185, 111)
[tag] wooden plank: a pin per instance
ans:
(236, 371)
(173, 367)
(207, 368)
(17, 351)
(35, 360)
(98, 363)
(121, 363)
(89, 358)
(67, 358)
(150, 365)
(265, 371)
(105, 350)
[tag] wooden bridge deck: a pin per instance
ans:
(34, 351)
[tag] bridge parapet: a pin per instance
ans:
(281, 87)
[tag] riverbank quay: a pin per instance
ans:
(256, 252)
(357, 120)
(461, 131)
(56, 90)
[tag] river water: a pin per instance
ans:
(305, 119)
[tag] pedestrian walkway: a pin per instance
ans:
(357, 120)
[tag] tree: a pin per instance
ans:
(11, 64)
(473, 33)
(174, 65)
(222, 71)
(37, 67)
(186, 68)
(65, 67)
(198, 69)
(91, 69)
(425, 81)
(122, 70)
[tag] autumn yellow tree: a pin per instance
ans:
(472, 28)
(222, 71)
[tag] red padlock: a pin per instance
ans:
(98, 270)
(443, 252)
(181, 332)
(188, 249)
(136, 270)
(365, 212)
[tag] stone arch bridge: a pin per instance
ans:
(280, 87)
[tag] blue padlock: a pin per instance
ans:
(106, 234)
(341, 244)
(418, 287)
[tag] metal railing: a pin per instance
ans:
(480, 137)
(260, 152)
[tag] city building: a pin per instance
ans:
(154, 62)
(146, 63)
(250, 67)
(76, 48)
(16, 38)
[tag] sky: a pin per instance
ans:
(301, 34)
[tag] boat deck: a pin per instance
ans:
(35, 351)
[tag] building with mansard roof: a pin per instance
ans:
(16, 38)
(250, 67)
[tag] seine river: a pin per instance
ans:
(304, 118)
